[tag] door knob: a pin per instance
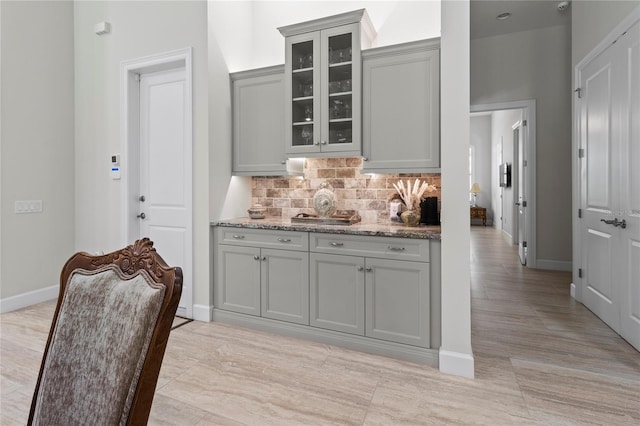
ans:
(141, 215)
(142, 199)
(615, 222)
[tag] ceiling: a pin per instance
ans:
(525, 15)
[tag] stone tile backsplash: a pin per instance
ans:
(368, 194)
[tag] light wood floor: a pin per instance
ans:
(540, 358)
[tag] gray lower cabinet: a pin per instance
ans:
(337, 292)
(284, 285)
(397, 301)
(238, 279)
(267, 282)
(377, 294)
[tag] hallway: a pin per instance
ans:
(526, 328)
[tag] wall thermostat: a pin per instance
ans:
(115, 167)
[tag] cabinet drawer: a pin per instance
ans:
(263, 238)
(416, 250)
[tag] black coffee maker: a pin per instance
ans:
(429, 211)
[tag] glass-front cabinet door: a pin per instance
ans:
(303, 93)
(322, 91)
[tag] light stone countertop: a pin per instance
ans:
(389, 229)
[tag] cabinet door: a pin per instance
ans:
(340, 89)
(397, 301)
(401, 108)
(285, 285)
(302, 93)
(237, 286)
(258, 122)
(337, 292)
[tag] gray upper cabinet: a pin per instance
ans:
(258, 122)
(323, 84)
(401, 108)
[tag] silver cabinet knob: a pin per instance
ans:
(369, 269)
(315, 142)
(323, 142)
(256, 257)
(360, 268)
(141, 215)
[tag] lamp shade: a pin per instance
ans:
(475, 188)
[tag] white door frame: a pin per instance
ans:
(622, 27)
(529, 133)
(130, 159)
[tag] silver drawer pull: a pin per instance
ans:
(336, 244)
(284, 240)
(392, 248)
(238, 237)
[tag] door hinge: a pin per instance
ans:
(580, 152)
(524, 122)
(579, 92)
(524, 244)
(137, 77)
(579, 272)
(579, 213)
(524, 163)
(524, 204)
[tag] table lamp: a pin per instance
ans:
(475, 189)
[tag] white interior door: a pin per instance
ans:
(165, 173)
(601, 291)
(628, 47)
(521, 203)
(610, 193)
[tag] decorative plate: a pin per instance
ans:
(324, 200)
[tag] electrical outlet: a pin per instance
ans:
(28, 206)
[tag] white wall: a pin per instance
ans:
(536, 65)
(37, 145)
(480, 140)
(502, 135)
(592, 20)
(395, 22)
(456, 355)
(138, 29)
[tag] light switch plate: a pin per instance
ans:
(28, 206)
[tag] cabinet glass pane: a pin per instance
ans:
(302, 134)
(302, 93)
(340, 89)
(302, 55)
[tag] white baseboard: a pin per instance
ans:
(554, 265)
(573, 290)
(202, 313)
(23, 300)
(456, 363)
